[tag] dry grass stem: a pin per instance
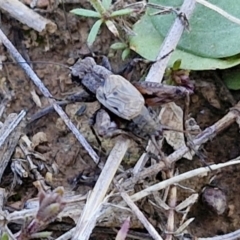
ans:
(87, 222)
(172, 201)
(170, 43)
(28, 70)
(25, 15)
(149, 227)
(67, 235)
(144, 158)
(2, 197)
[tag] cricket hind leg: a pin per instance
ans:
(161, 153)
(188, 137)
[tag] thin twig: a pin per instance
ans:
(28, 70)
(181, 177)
(220, 11)
(230, 236)
(22, 13)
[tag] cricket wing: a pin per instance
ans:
(120, 97)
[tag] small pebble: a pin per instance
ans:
(215, 199)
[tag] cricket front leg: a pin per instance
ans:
(104, 126)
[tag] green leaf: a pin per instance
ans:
(94, 31)
(98, 6)
(147, 43)
(176, 65)
(118, 46)
(125, 53)
(4, 237)
(211, 35)
(106, 3)
(121, 12)
(231, 78)
(85, 13)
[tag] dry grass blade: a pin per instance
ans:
(152, 231)
(89, 216)
(10, 124)
(10, 134)
(181, 177)
(28, 70)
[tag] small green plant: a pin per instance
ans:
(177, 76)
(121, 46)
(50, 205)
(4, 237)
(104, 14)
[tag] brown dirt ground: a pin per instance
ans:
(65, 46)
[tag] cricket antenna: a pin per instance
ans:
(38, 62)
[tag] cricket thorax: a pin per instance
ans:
(146, 125)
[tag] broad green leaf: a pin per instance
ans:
(211, 35)
(231, 78)
(106, 3)
(121, 12)
(94, 31)
(118, 46)
(85, 13)
(147, 43)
